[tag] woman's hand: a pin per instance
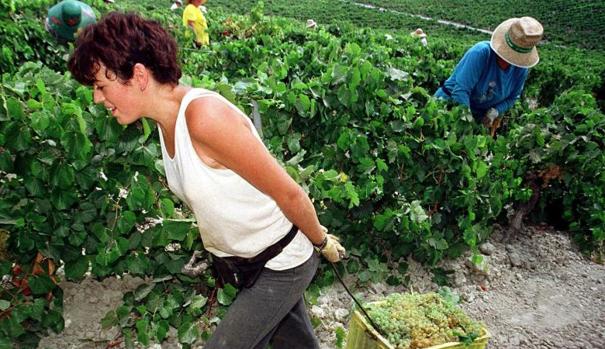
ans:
(330, 247)
(333, 250)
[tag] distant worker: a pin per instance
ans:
(490, 76)
(67, 18)
(176, 4)
(193, 18)
(311, 24)
(419, 33)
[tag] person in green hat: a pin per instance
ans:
(67, 18)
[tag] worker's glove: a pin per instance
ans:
(491, 115)
(331, 248)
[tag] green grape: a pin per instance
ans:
(414, 321)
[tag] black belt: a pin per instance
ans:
(269, 252)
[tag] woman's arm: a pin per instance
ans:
(221, 134)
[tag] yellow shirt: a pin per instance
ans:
(200, 27)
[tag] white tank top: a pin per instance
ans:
(234, 218)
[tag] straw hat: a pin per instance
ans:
(311, 23)
(515, 40)
(418, 33)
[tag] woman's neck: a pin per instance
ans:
(164, 104)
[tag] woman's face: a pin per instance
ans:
(120, 98)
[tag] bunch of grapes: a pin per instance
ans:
(414, 321)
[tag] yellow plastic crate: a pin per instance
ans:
(363, 336)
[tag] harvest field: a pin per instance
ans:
(574, 23)
(402, 178)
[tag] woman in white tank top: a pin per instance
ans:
(244, 202)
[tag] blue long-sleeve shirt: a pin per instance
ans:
(480, 84)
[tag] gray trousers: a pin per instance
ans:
(270, 312)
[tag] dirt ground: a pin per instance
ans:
(533, 291)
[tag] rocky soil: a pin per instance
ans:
(533, 290)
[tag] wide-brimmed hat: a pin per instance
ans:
(418, 33)
(515, 40)
(311, 23)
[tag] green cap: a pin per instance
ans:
(71, 10)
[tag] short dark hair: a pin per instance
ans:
(119, 41)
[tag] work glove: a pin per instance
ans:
(491, 115)
(331, 248)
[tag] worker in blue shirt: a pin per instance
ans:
(491, 74)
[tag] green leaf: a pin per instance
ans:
(88, 212)
(109, 320)
(302, 104)
(477, 259)
(64, 176)
(4, 304)
(198, 302)
(396, 74)
(12, 326)
(339, 74)
(126, 222)
(77, 145)
(294, 143)
(227, 294)
(141, 196)
(36, 310)
(77, 235)
(161, 330)
(439, 244)
(312, 293)
(143, 331)
(5, 266)
(176, 230)
(53, 320)
(146, 130)
(137, 264)
(123, 314)
(165, 312)
(352, 195)
(143, 290)
(167, 207)
(188, 332)
(128, 341)
(481, 169)
(40, 121)
(341, 334)
(75, 270)
(40, 284)
(15, 111)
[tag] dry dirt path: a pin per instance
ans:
(534, 291)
